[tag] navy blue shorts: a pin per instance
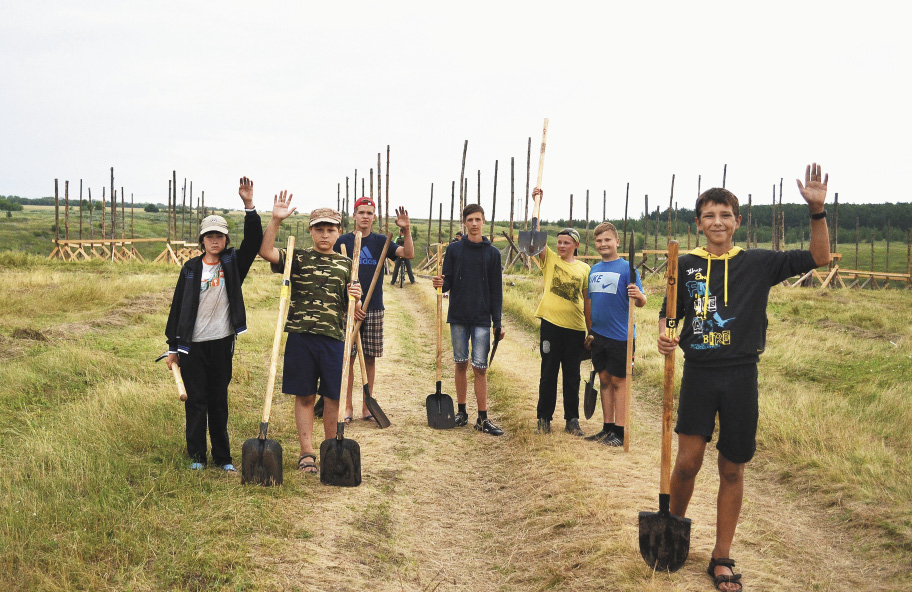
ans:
(610, 355)
(730, 391)
(310, 359)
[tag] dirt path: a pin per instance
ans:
(456, 510)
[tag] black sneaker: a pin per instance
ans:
(544, 426)
(487, 427)
(573, 428)
(462, 418)
(606, 438)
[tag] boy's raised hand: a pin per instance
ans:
(814, 190)
(281, 207)
(402, 218)
(246, 192)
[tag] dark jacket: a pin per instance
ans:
(185, 303)
(473, 277)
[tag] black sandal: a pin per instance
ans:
(308, 466)
(723, 578)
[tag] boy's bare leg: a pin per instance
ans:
(611, 389)
(304, 421)
(619, 394)
(687, 465)
(462, 382)
(728, 509)
(330, 417)
(481, 388)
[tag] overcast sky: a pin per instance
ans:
(297, 95)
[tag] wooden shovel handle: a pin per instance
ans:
(349, 326)
(439, 312)
(671, 326)
(284, 298)
(631, 325)
(541, 168)
(181, 391)
(365, 300)
(361, 358)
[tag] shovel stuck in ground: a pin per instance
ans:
(532, 242)
(440, 412)
(340, 459)
(664, 537)
(369, 401)
(590, 395)
(261, 458)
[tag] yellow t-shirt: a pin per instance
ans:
(565, 286)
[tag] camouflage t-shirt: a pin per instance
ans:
(319, 296)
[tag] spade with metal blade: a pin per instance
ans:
(369, 401)
(664, 537)
(340, 458)
(532, 242)
(261, 458)
(440, 412)
(590, 395)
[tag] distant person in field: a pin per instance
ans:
(207, 313)
(472, 275)
(403, 264)
(372, 245)
(607, 308)
(321, 285)
(563, 329)
(722, 299)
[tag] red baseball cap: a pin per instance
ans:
(364, 201)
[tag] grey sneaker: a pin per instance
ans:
(544, 426)
(606, 438)
(573, 428)
(462, 419)
(487, 427)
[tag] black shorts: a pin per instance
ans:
(610, 355)
(732, 392)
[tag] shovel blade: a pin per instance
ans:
(440, 412)
(532, 242)
(340, 462)
(590, 396)
(374, 407)
(664, 538)
(261, 462)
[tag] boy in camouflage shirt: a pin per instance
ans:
(320, 288)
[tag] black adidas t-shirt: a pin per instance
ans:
(371, 250)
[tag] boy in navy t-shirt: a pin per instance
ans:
(606, 308)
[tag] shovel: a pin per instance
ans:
(440, 412)
(369, 401)
(261, 458)
(340, 459)
(630, 326)
(532, 242)
(176, 371)
(664, 537)
(494, 347)
(590, 395)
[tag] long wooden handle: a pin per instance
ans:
(280, 326)
(181, 390)
(541, 168)
(361, 358)
(349, 327)
(439, 313)
(671, 327)
(631, 325)
(365, 301)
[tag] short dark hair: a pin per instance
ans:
(471, 209)
(719, 196)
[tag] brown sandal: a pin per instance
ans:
(308, 466)
(723, 578)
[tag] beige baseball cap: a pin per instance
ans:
(213, 224)
(325, 215)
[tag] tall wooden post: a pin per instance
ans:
(645, 229)
(103, 208)
(203, 199)
(512, 194)
(587, 222)
(345, 206)
(66, 209)
(724, 174)
(132, 228)
(493, 200)
(465, 148)
(440, 220)
(174, 202)
(387, 187)
(750, 226)
(190, 227)
(452, 202)
(655, 235)
(479, 187)
(626, 203)
(836, 224)
(670, 200)
(571, 211)
(80, 209)
(91, 229)
(113, 214)
(528, 165)
(430, 215)
(183, 232)
(56, 214)
(123, 216)
(169, 210)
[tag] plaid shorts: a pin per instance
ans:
(371, 335)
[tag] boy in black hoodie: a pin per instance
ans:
(472, 275)
(723, 333)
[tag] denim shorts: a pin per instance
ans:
(481, 344)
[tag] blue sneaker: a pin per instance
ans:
(197, 466)
(229, 468)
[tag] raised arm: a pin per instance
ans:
(281, 209)
(407, 249)
(814, 193)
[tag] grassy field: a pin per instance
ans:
(98, 495)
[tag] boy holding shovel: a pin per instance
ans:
(722, 298)
(472, 275)
(372, 245)
(607, 308)
(321, 285)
